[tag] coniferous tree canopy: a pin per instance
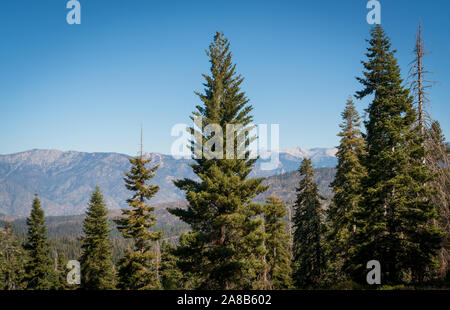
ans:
(171, 275)
(11, 260)
(62, 271)
(347, 190)
(39, 267)
(97, 269)
(393, 224)
(437, 160)
(308, 248)
(277, 244)
(139, 268)
(225, 247)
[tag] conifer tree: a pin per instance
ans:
(436, 159)
(225, 246)
(186, 256)
(347, 190)
(61, 271)
(393, 225)
(277, 244)
(171, 275)
(11, 260)
(438, 162)
(308, 247)
(39, 271)
(139, 269)
(97, 269)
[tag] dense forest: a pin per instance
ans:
(388, 201)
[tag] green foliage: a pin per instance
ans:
(284, 185)
(138, 271)
(347, 192)
(97, 269)
(68, 241)
(39, 272)
(11, 260)
(308, 248)
(399, 287)
(393, 226)
(171, 275)
(62, 271)
(225, 246)
(139, 268)
(437, 160)
(278, 244)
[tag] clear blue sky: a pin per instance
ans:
(88, 87)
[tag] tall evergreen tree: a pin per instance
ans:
(97, 269)
(393, 225)
(277, 244)
(39, 271)
(308, 247)
(347, 190)
(225, 246)
(11, 260)
(139, 269)
(436, 158)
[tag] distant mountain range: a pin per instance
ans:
(65, 180)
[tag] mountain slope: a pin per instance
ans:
(65, 180)
(284, 185)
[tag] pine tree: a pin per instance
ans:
(139, 269)
(277, 244)
(347, 190)
(39, 271)
(11, 260)
(225, 246)
(97, 269)
(393, 225)
(308, 247)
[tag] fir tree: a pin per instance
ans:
(393, 225)
(347, 190)
(171, 275)
(139, 269)
(225, 246)
(186, 256)
(11, 260)
(97, 269)
(308, 247)
(39, 271)
(61, 271)
(277, 244)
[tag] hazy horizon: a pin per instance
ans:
(89, 87)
